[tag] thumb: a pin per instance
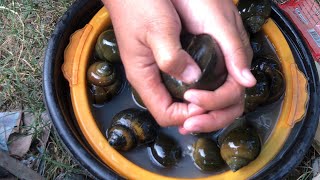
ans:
(169, 55)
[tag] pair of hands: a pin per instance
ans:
(148, 37)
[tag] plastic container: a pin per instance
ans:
(296, 139)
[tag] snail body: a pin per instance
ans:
(106, 47)
(166, 151)
(131, 127)
(206, 155)
(104, 81)
(240, 146)
(207, 54)
(254, 13)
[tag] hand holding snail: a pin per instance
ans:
(148, 39)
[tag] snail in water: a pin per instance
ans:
(206, 155)
(239, 147)
(131, 127)
(270, 83)
(254, 13)
(106, 47)
(272, 69)
(166, 151)
(207, 54)
(104, 81)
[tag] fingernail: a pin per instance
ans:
(190, 126)
(247, 75)
(190, 74)
(183, 131)
(189, 96)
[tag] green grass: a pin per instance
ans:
(25, 28)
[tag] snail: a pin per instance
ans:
(165, 150)
(106, 47)
(101, 74)
(207, 54)
(239, 147)
(130, 128)
(254, 13)
(273, 70)
(206, 155)
(270, 83)
(101, 95)
(257, 94)
(104, 81)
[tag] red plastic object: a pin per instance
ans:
(305, 14)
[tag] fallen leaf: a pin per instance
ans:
(19, 142)
(8, 121)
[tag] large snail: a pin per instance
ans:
(257, 94)
(206, 155)
(104, 81)
(166, 151)
(272, 69)
(131, 127)
(254, 13)
(239, 147)
(207, 54)
(270, 83)
(106, 47)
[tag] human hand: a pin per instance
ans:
(148, 38)
(220, 19)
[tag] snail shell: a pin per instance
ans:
(131, 127)
(254, 13)
(207, 54)
(257, 94)
(166, 151)
(101, 95)
(239, 147)
(270, 83)
(206, 155)
(104, 82)
(101, 73)
(106, 47)
(273, 71)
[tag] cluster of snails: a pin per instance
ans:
(267, 71)
(237, 148)
(103, 77)
(135, 127)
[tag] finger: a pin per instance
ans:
(229, 93)
(214, 120)
(183, 131)
(238, 52)
(163, 38)
(222, 21)
(157, 99)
